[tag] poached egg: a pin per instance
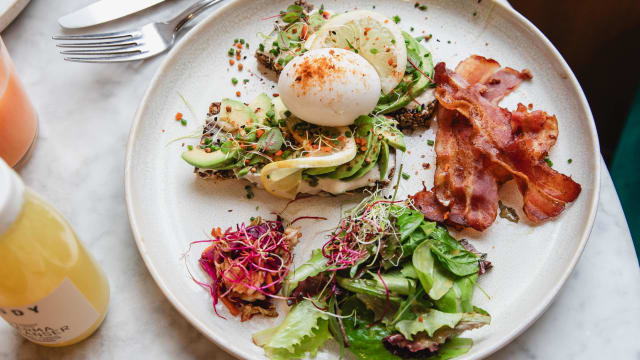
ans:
(329, 87)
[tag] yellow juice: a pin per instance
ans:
(51, 290)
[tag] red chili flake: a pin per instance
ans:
(276, 94)
(240, 66)
(231, 62)
(178, 116)
(238, 93)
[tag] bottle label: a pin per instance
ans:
(61, 316)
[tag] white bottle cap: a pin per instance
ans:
(11, 196)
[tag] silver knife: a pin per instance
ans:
(103, 11)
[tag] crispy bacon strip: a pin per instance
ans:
(480, 145)
(463, 179)
(536, 130)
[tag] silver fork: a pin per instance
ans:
(145, 42)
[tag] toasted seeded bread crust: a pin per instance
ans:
(411, 119)
(214, 109)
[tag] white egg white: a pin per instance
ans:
(329, 87)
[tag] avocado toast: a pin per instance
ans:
(239, 140)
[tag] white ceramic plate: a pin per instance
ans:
(169, 207)
(9, 9)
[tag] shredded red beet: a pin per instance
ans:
(253, 258)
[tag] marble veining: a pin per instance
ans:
(85, 113)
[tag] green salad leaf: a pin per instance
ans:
(271, 141)
(365, 340)
(368, 287)
(408, 222)
(452, 255)
(417, 237)
(429, 322)
(453, 348)
(436, 281)
(381, 309)
(335, 327)
(458, 298)
(303, 331)
(314, 266)
(396, 282)
(443, 328)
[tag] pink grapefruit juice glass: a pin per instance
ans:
(18, 118)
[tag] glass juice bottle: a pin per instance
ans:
(51, 289)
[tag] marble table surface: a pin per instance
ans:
(85, 113)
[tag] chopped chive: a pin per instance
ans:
(448, 41)
(241, 41)
(548, 161)
(374, 50)
(183, 122)
(405, 176)
(348, 134)
(423, 7)
(234, 81)
(393, 41)
(245, 81)
(430, 142)
(190, 147)
(351, 46)
(570, 161)
(231, 52)
(235, 41)
(411, 28)
(396, 19)
(261, 47)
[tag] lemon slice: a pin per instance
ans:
(283, 178)
(371, 35)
